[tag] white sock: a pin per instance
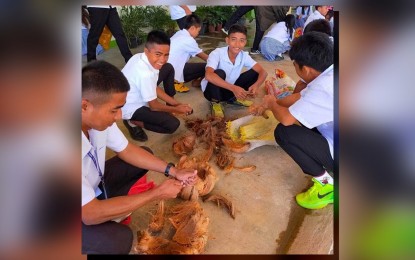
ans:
(325, 178)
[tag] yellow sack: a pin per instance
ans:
(105, 38)
(252, 131)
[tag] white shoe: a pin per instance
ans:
(224, 31)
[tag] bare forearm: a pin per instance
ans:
(289, 100)
(166, 98)
(203, 56)
(99, 211)
(218, 81)
(282, 114)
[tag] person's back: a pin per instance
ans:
(183, 46)
(278, 39)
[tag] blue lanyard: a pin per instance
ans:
(95, 161)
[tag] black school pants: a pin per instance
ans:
(308, 148)
(99, 17)
(111, 237)
(218, 94)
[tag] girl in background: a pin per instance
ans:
(278, 39)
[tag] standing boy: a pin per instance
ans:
(305, 131)
(223, 79)
(144, 71)
(105, 184)
(183, 46)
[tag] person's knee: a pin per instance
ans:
(124, 237)
(172, 125)
(221, 73)
(279, 134)
(168, 68)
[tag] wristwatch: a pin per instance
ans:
(167, 170)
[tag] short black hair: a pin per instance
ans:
(237, 28)
(100, 79)
(192, 20)
(319, 25)
(157, 37)
(313, 49)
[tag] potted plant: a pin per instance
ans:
(202, 12)
(132, 21)
(158, 18)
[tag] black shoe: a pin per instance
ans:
(137, 133)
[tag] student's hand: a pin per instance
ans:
(186, 176)
(184, 109)
(169, 189)
(269, 100)
(257, 109)
(239, 92)
(252, 91)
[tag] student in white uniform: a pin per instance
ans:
(142, 109)
(278, 39)
(179, 13)
(305, 130)
(224, 81)
(302, 12)
(319, 13)
(183, 46)
(105, 184)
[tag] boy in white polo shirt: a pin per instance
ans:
(142, 109)
(305, 130)
(183, 46)
(106, 183)
(223, 79)
(319, 13)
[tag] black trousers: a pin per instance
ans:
(217, 94)
(111, 237)
(193, 70)
(166, 75)
(156, 121)
(240, 11)
(308, 148)
(99, 17)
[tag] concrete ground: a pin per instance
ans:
(268, 220)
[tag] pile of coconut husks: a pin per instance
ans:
(208, 141)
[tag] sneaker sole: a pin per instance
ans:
(314, 206)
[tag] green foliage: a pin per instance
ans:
(132, 22)
(158, 18)
(214, 14)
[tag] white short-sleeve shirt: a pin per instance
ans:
(113, 138)
(182, 47)
(315, 107)
(142, 77)
(314, 16)
(279, 32)
(219, 59)
(176, 12)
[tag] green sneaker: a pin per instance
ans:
(317, 197)
(240, 102)
(217, 110)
